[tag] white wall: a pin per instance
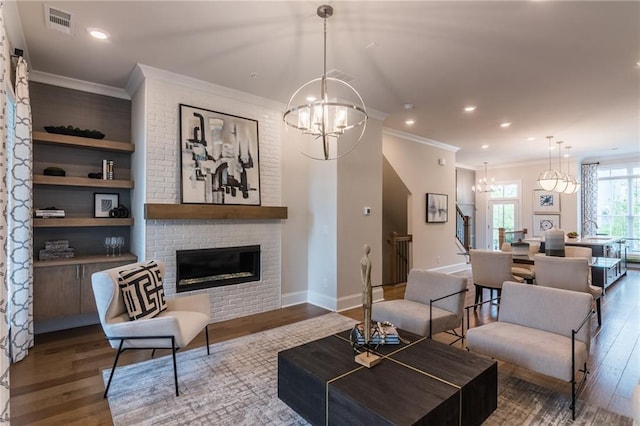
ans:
(527, 174)
(416, 162)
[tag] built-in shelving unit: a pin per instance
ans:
(62, 293)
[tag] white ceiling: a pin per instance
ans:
(561, 68)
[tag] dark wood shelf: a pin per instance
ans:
(62, 222)
(208, 211)
(75, 141)
(78, 181)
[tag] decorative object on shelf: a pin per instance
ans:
(74, 131)
(111, 243)
(48, 212)
(219, 158)
(437, 208)
(58, 249)
(543, 222)
(483, 183)
(324, 118)
(54, 171)
(554, 242)
(107, 169)
(545, 201)
(120, 211)
(548, 179)
(103, 203)
(95, 175)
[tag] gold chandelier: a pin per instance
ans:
(326, 118)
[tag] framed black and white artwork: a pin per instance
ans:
(104, 203)
(437, 208)
(218, 157)
(546, 201)
(543, 222)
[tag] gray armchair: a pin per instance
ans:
(173, 328)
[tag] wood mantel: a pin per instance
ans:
(209, 211)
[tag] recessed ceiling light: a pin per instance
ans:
(484, 146)
(531, 138)
(410, 122)
(371, 45)
(638, 64)
(408, 107)
(311, 98)
(505, 124)
(470, 108)
(98, 33)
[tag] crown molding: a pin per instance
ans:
(419, 139)
(72, 83)
(142, 72)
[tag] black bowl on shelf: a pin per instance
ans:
(74, 131)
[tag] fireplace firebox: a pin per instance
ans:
(215, 267)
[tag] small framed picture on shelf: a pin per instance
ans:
(546, 201)
(544, 222)
(103, 203)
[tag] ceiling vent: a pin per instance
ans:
(57, 19)
(334, 73)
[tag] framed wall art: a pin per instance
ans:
(103, 203)
(546, 201)
(544, 222)
(437, 208)
(218, 158)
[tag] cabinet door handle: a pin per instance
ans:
(78, 272)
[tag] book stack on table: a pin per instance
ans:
(381, 334)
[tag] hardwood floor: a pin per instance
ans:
(60, 382)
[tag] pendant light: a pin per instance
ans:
(324, 119)
(548, 179)
(572, 182)
(483, 183)
(563, 182)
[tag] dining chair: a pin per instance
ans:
(135, 315)
(569, 273)
(489, 270)
(526, 272)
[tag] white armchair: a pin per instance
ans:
(173, 328)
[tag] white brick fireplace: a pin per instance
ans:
(156, 102)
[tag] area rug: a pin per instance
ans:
(237, 385)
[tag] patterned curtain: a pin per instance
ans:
(589, 200)
(19, 208)
(4, 329)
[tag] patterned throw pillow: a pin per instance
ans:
(142, 291)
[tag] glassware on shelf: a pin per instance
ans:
(119, 244)
(108, 244)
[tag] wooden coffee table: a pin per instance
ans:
(424, 382)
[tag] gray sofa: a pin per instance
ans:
(541, 329)
(433, 302)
